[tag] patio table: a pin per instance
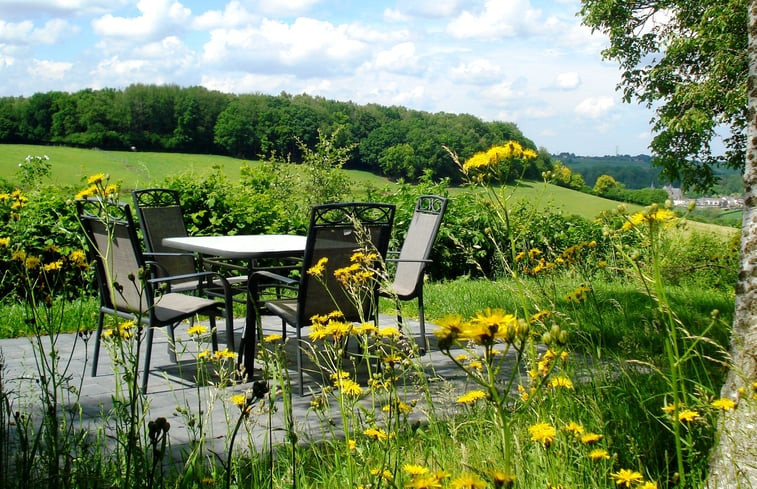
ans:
(249, 247)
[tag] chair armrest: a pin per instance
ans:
(166, 253)
(272, 276)
(407, 260)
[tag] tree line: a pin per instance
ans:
(388, 140)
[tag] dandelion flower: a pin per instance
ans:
(647, 485)
(688, 416)
(626, 477)
(349, 387)
(376, 434)
(5, 242)
(471, 397)
(197, 330)
(225, 354)
(96, 178)
(272, 338)
(389, 332)
(560, 382)
(467, 481)
(424, 482)
(599, 454)
(53, 266)
(590, 438)
(543, 433)
(574, 428)
(317, 269)
(239, 400)
(31, 262)
(351, 444)
(204, 355)
(723, 403)
(415, 469)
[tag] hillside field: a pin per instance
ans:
(71, 166)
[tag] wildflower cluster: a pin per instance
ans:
(497, 162)
(485, 329)
(652, 216)
(360, 271)
(98, 188)
(11, 203)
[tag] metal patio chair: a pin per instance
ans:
(160, 216)
(114, 247)
(411, 260)
(335, 232)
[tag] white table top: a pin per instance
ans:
(244, 246)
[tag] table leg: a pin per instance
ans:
(249, 339)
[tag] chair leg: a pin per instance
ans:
(299, 361)
(172, 342)
(229, 309)
(214, 333)
(98, 336)
(422, 317)
(148, 354)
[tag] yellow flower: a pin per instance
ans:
(18, 255)
(560, 382)
(204, 354)
(349, 387)
(476, 365)
(468, 481)
(502, 479)
(365, 329)
(599, 454)
(5, 242)
(471, 397)
(688, 416)
(414, 469)
(590, 438)
(225, 354)
(78, 257)
(239, 400)
(647, 485)
(424, 482)
(317, 269)
(574, 428)
(626, 477)
(53, 266)
(197, 330)
(386, 475)
(543, 433)
(389, 332)
(450, 328)
(723, 403)
(272, 338)
(392, 359)
(31, 262)
(376, 434)
(489, 325)
(96, 178)
(351, 444)
(461, 358)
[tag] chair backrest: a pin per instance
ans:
(113, 245)
(336, 232)
(160, 216)
(424, 226)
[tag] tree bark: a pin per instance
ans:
(733, 462)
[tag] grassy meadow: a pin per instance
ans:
(584, 367)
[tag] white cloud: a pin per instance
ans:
(69, 8)
(499, 93)
(54, 70)
(159, 18)
(477, 71)
(25, 33)
(595, 107)
(568, 80)
(168, 50)
(307, 45)
(248, 82)
(399, 58)
(285, 7)
(394, 15)
(234, 15)
(498, 19)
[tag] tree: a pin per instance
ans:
(603, 184)
(696, 61)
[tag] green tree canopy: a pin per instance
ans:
(688, 60)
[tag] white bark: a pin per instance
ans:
(733, 463)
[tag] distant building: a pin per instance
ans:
(676, 195)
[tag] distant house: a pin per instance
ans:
(676, 195)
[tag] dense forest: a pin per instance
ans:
(392, 141)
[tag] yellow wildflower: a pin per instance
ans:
(376, 434)
(272, 338)
(31, 262)
(560, 381)
(424, 482)
(574, 428)
(389, 332)
(626, 477)
(599, 454)
(471, 397)
(467, 481)
(198, 330)
(349, 387)
(415, 469)
(543, 433)
(19, 255)
(351, 444)
(723, 403)
(53, 266)
(225, 354)
(5, 242)
(647, 485)
(590, 438)
(204, 355)
(688, 416)
(317, 269)
(96, 178)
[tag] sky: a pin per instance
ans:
(529, 62)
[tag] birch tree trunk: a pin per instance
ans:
(733, 462)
